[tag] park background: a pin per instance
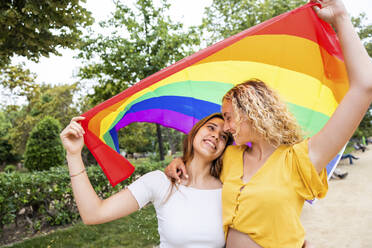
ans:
(59, 59)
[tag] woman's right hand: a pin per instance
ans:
(331, 10)
(176, 170)
(72, 136)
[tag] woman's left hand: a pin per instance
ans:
(331, 10)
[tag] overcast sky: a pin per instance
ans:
(61, 69)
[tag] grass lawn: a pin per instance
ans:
(136, 230)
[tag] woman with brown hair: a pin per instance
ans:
(199, 198)
(266, 184)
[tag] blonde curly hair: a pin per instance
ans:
(267, 114)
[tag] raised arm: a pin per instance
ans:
(325, 145)
(92, 209)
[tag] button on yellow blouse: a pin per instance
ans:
(268, 207)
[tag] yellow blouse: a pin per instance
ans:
(269, 206)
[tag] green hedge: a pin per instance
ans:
(45, 198)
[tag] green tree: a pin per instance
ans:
(365, 34)
(42, 100)
(17, 78)
(225, 18)
(5, 124)
(6, 154)
(15, 82)
(38, 28)
(44, 147)
(145, 40)
(137, 137)
(364, 31)
(174, 139)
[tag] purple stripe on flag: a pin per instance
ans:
(164, 117)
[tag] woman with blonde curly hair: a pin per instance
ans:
(267, 115)
(266, 184)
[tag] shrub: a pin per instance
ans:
(44, 148)
(146, 166)
(10, 168)
(44, 198)
(6, 154)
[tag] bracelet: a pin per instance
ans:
(81, 172)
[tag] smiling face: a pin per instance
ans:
(254, 112)
(210, 140)
(240, 130)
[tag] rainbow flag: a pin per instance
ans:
(295, 53)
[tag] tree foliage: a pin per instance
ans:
(174, 139)
(5, 124)
(225, 18)
(17, 79)
(42, 100)
(138, 137)
(144, 41)
(44, 147)
(37, 28)
(364, 31)
(365, 34)
(6, 154)
(15, 82)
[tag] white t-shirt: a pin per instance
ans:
(189, 218)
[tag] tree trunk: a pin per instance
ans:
(160, 141)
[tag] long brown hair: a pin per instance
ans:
(188, 149)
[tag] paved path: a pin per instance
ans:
(344, 217)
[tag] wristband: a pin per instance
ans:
(81, 172)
